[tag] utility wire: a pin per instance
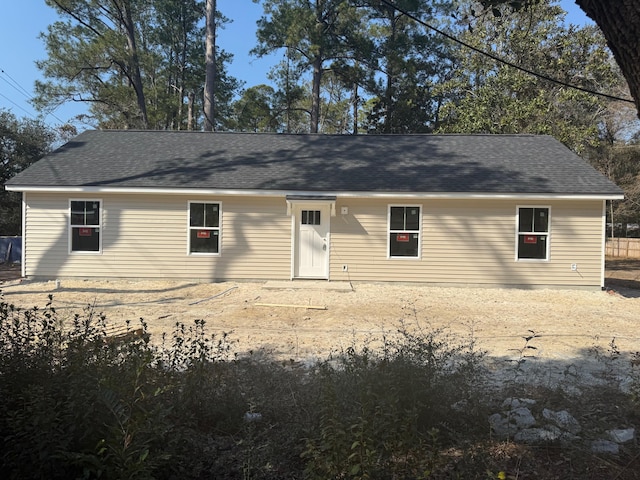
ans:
(501, 60)
(15, 84)
(20, 89)
(11, 101)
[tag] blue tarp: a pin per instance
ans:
(10, 249)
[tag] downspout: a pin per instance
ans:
(604, 240)
(290, 210)
(23, 263)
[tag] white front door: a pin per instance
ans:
(311, 255)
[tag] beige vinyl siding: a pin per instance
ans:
(145, 236)
(469, 242)
(466, 242)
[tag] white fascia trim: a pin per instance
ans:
(281, 193)
(23, 266)
(486, 196)
(604, 243)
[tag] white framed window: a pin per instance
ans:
(204, 228)
(404, 231)
(85, 226)
(533, 224)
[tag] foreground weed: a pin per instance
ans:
(389, 414)
(611, 360)
(76, 404)
(524, 354)
(411, 405)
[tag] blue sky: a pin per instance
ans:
(22, 21)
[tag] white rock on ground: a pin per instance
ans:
(605, 446)
(563, 419)
(522, 417)
(622, 436)
(500, 425)
(517, 402)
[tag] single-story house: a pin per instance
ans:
(501, 210)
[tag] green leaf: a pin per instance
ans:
(144, 455)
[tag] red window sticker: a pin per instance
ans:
(204, 234)
(402, 237)
(530, 239)
(85, 232)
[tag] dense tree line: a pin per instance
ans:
(22, 142)
(619, 22)
(347, 67)
(137, 63)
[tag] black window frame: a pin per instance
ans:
(533, 233)
(203, 227)
(85, 226)
(404, 232)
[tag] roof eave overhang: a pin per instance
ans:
(284, 193)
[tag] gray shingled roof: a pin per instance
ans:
(494, 164)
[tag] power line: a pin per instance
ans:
(11, 101)
(20, 89)
(15, 84)
(501, 60)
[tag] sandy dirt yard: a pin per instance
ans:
(279, 322)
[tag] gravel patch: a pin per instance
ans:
(302, 324)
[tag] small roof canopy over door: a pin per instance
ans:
(302, 199)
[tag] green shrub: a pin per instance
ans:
(75, 404)
(386, 414)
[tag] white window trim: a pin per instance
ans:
(389, 231)
(548, 234)
(71, 227)
(218, 228)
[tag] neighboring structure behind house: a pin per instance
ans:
(504, 210)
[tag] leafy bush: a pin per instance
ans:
(76, 403)
(386, 414)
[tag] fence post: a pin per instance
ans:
(623, 247)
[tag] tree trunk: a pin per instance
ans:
(354, 101)
(315, 94)
(619, 21)
(210, 70)
(192, 101)
(183, 69)
(180, 107)
(317, 68)
(392, 67)
(134, 64)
